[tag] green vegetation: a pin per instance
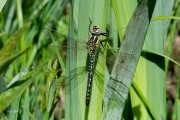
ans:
(42, 68)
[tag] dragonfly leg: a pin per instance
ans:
(107, 31)
(105, 40)
(90, 23)
(103, 45)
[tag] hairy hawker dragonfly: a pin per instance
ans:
(94, 47)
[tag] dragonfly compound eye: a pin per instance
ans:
(96, 29)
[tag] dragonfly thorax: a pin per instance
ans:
(93, 44)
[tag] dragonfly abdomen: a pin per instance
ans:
(90, 77)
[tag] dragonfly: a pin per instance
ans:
(94, 47)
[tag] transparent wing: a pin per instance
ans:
(55, 39)
(79, 75)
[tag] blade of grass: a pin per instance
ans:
(165, 17)
(163, 56)
(7, 97)
(15, 109)
(70, 65)
(101, 19)
(8, 27)
(95, 11)
(150, 72)
(11, 43)
(144, 101)
(78, 95)
(26, 106)
(9, 60)
(3, 85)
(10, 46)
(123, 10)
(19, 13)
(127, 60)
(51, 87)
(2, 3)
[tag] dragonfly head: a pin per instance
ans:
(96, 29)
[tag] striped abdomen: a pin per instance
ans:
(90, 78)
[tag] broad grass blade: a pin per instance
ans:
(127, 59)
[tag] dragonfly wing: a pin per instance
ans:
(99, 80)
(76, 77)
(114, 93)
(59, 40)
